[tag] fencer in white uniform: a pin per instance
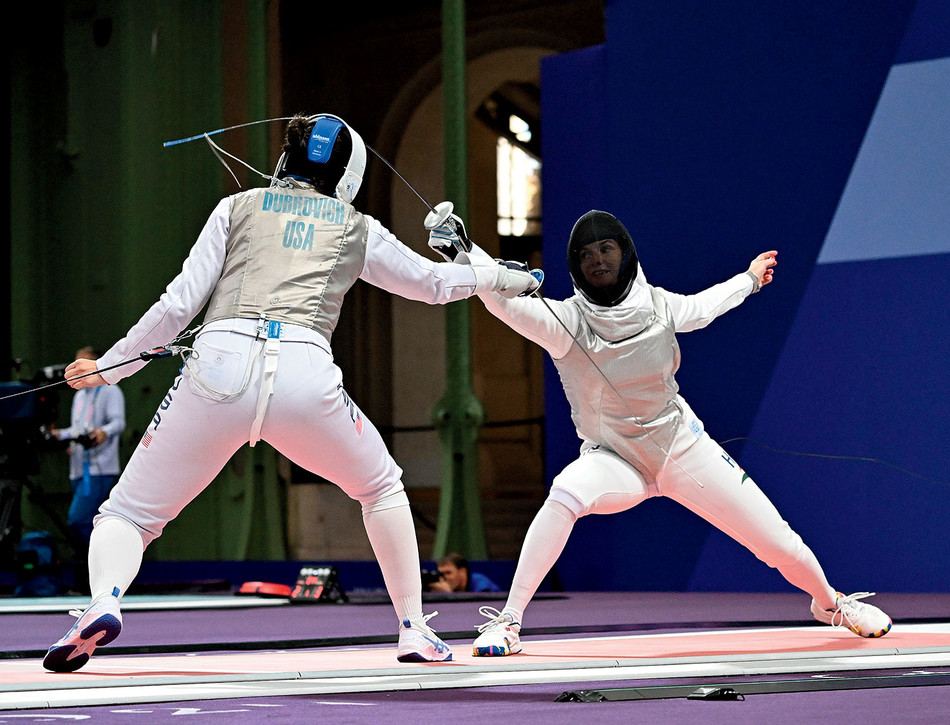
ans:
(273, 265)
(614, 346)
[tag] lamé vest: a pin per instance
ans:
(638, 354)
(291, 256)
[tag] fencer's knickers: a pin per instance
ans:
(698, 474)
(309, 418)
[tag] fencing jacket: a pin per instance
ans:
(634, 346)
(292, 255)
(289, 254)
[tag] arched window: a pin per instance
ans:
(519, 183)
(513, 114)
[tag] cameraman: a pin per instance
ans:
(97, 419)
(456, 575)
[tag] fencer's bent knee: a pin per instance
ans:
(600, 482)
(565, 502)
(390, 500)
(103, 520)
(109, 510)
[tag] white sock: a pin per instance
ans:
(543, 544)
(807, 575)
(392, 535)
(115, 555)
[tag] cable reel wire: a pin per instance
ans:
(146, 355)
(450, 221)
(218, 151)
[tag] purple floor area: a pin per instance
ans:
(531, 704)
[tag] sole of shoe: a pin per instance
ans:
(874, 635)
(76, 651)
(492, 650)
(417, 657)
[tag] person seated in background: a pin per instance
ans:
(455, 575)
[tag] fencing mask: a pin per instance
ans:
(602, 273)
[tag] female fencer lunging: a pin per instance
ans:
(614, 345)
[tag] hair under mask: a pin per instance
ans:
(325, 151)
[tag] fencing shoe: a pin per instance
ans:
(497, 637)
(418, 643)
(865, 620)
(98, 625)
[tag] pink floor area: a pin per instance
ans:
(106, 670)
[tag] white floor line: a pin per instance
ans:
(132, 602)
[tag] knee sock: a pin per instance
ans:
(543, 544)
(115, 555)
(392, 535)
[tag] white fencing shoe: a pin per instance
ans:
(418, 643)
(865, 620)
(497, 637)
(98, 625)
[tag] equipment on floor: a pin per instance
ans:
(318, 584)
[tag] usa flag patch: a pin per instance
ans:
(147, 439)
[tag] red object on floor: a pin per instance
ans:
(264, 589)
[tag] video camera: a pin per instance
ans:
(85, 440)
(429, 578)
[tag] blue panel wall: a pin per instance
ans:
(719, 130)
(574, 95)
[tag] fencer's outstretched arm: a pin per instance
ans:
(552, 325)
(394, 267)
(182, 300)
(761, 268)
(693, 312)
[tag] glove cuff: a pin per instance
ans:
(486, 277)
(756, 285)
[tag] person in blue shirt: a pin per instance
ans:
(455, 575)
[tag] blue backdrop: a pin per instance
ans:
(819, 128)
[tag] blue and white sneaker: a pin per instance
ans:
(499, 637)
(418, 643)
(98, 625)
(865, 620)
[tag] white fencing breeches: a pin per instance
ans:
(198, 427)
(701, 476)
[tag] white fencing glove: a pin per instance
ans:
(509, 279)
(447, 233)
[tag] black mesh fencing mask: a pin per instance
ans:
(598, 226)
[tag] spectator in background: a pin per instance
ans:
(455, 575)
(97, 419)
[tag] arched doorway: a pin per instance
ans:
(507, 370)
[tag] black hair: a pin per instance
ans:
(457, 560)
